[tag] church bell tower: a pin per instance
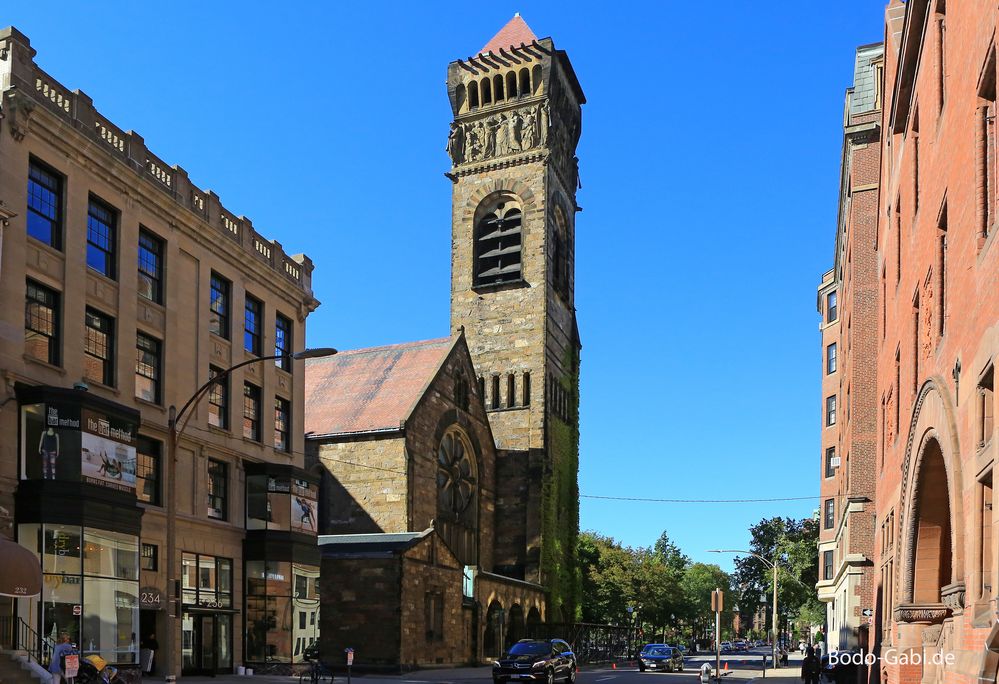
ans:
(512, 143)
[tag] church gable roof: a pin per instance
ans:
(515, 32)
(370, 390)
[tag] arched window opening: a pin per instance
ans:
(560, 253)
(492, 636)
(536, 77)
(515, 625)
(511, 392)
(498, 87)
(511, 85)
(498, 240)
(461, 97)
(525, 82)
(457, 495)
(931, 563)
(473, 95)
(487, 92)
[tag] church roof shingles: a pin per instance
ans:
(369, 390)
(515, 32)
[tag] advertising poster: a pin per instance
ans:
(107, 463)
(303, 507)
(51, 442)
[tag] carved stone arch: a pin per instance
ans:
(515, 187)
(932, 420)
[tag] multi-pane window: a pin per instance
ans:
(44, 205)
(251, 412)
(149, 558)
(218, 489)
(218, 400)
(282, 423)
(148, 360)
(41, 323)
(251, 325)
(830, 514)
(218, 317)
(831, 461)
(827, 565)
(831, 410)
(150, 284)
(282, 342)
(101, 238)
(147, 470)
(98, 361)
(831, 307)
(831, 358)
(498, 244)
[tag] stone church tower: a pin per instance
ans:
(517, 116)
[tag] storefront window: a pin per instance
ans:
(280, 503)
(90, 588)
(282, 607)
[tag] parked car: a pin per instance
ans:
(740, 645)
(661, 657)
(538, 660)
(726, 646)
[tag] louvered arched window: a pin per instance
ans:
(498, 240)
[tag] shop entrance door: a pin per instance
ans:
(207, 644)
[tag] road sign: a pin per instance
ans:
(867, 612)
(717, 601)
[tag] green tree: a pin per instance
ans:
(699, 580)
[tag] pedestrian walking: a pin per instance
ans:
(149, 647)
(57, 664)
(810, 667)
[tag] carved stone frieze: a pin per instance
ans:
(931, 635)
(953, 597)
(498, 135)
(932, 613)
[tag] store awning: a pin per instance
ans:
(20, 571)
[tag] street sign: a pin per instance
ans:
(77, 610)
(867, 612)
(717, 601)
(350, 656)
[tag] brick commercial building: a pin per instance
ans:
(450, 466)
(847, 303)
(123, 288)
(936, 336)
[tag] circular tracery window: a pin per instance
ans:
(455, 475)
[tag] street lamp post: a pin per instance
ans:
(772, 564)
(176, 423)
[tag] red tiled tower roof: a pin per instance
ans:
(366, 390)
(515, 32)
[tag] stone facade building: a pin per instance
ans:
(847, 303)
(500, 395)
(936, 335)
(124, 287)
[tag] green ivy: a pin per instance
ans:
(560, 511)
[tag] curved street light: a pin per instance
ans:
(772, 565)
(175, 428)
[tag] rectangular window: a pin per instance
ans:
(941, 54)
(282, 423)
(831, 461)
(986, 407)
(147, 470)
(251, 412)
(827, 565)
(496, 392)
(98, 362)
(987, 151)
(942, 264)
(251, 325)
(527, 389)
(150, 284)
(218, 489)
(148, 360)
(985, 534)
(831, 358)
(830, 514)
(218, 316)
(101, 238)
(149, 559)
(831, 312)
(830, 410)
(41, 323)
(282, 342)
(44, 218)
(434, 616)
(218, 401)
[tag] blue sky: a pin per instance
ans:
(709, 162)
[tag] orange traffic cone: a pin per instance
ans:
(613, 666)
(726, 666)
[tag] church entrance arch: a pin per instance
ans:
(515, 625)
(492, 638)
(534, 623)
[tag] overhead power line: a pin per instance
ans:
(698, 501)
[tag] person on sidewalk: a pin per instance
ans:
(56, 663)
(810, 667)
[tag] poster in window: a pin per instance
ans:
(107, 454)
(50, 442)
(303, 507)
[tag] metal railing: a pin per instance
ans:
(17, 635)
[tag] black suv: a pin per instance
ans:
(538, 660)
(660, 657)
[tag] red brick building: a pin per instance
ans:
(847, 303)
(937, 338)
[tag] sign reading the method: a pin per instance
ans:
(72, 443)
